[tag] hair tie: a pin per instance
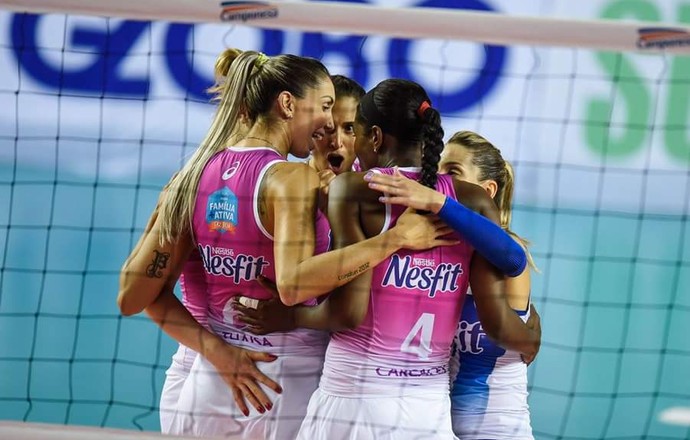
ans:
(422, 108)
(261, 59)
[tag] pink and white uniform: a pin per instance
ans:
(235, 248)
(389, 377)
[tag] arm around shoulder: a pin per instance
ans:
(482, 231)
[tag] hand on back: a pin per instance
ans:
(237, 368)
(265, 316)
(420, 232)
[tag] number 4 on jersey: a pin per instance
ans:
(425, 328)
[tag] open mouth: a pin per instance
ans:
(335, 161)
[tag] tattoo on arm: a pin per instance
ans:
(353, 273)
(160, 262)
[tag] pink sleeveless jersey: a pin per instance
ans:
(193, 287)
(235, 247)
(403, 345)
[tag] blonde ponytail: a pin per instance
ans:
(504, 197)
(504, 201)
(233, 70)
(220, 72)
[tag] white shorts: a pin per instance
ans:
(405, 417)
(206, 407)
(175, 377)
(514, 425)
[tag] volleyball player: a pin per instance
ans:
(489, 391)
(334, 153)
(388, 377)
(192, 281)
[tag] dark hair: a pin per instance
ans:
(403, 110)
(347, 88)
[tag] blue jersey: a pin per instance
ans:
(489, 389)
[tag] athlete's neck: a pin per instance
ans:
(407, 159)
(397, 154)
(260, 135)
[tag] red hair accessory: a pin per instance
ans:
(422, 108)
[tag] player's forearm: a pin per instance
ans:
(136, 291)
(508, 330)
(175, 320)
(310, 278)
(499, 248)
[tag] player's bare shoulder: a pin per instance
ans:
(352, 187)
(286, 178)
(288, 186)
(292, 171)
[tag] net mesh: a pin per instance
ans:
(98, 113)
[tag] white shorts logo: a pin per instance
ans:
(231, 171)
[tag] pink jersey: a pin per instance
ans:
(193, 287)
(403, 345)
(235, 247)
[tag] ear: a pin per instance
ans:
(286, 105)
(491, 187)
(377, 139)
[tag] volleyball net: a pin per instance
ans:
(592, 110)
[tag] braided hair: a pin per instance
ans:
(403, 110)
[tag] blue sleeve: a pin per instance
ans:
(487, 238)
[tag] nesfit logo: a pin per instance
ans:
(660, 38)
(243, 11)
(240, 267)
(403, 274)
